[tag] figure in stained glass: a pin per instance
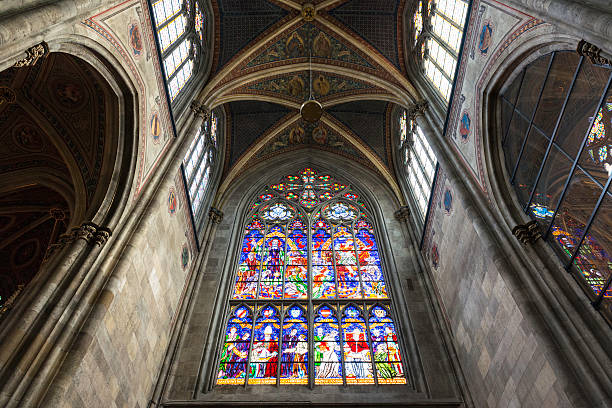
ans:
(232, 365)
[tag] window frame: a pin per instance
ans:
(210, 152)
(196, 53)
(310, 304)
(597, 300)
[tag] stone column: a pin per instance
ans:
(36, 338)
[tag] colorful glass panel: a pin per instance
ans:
(264, 353)
(296, 277)
(281, 246)
(294, 360)
(357, 356)
(418, 22)
(250, 261)
(323, 275)
(271, 281)
(234, 355)
(386, 347)
(327, 359)
(199, 22)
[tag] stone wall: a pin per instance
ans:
(117, 356)
(194, 371)
(506, 355)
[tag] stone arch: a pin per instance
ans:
(543, 274)
(235, 203)
(92, 176)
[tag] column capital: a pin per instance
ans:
(33, 54)
(215, 215)
(403, 213)
(199, 110)
(527, 233)
(418, 108)
(593, 52)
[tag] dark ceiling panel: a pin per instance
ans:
(367, 120)
(375, 21)
(241, 22)
(249, 120)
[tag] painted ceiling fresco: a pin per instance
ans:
(270, 59)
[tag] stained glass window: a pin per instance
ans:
(418, 22)
(199, 163)
(176, 37)
(557, 122)
(419, 162)
(447, 21)
(310, 279)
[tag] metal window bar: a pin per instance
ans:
(450, 20)
(535, 110)
(590, 222)
(578, 155)
(554, 134)
(597, 302)
(442, 43)
(437, 64)
(514, 109)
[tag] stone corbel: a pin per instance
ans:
(199, 110)
(593, 52)
(403, 214)
(527, 233)
(215, 215)
(418, 109)
(33, 54)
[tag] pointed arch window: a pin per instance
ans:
(439, 48)
(179, 28)
(417, 161)
(199, 163)
(556, 122)
(310, 304)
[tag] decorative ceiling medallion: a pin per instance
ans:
(309, 12)
(311, 111)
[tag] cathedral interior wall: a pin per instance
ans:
(194, 370)
(118, 355)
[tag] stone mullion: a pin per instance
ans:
(365, 313)
(310, 311)
(341, 341)
(280, 343)
(247, 369)
(357, 264)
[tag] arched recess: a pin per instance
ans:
(562, 303)
(236, 202)
(68, 132)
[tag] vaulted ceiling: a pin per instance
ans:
(269, 52)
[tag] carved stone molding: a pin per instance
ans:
(216, 216)
(527, 233)
(7, 95)
(403, 214)
(102, 235)
(33, 54)
(418, 108)
(593, 52)
(199, 110)
(89, 232)
(10, 302)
